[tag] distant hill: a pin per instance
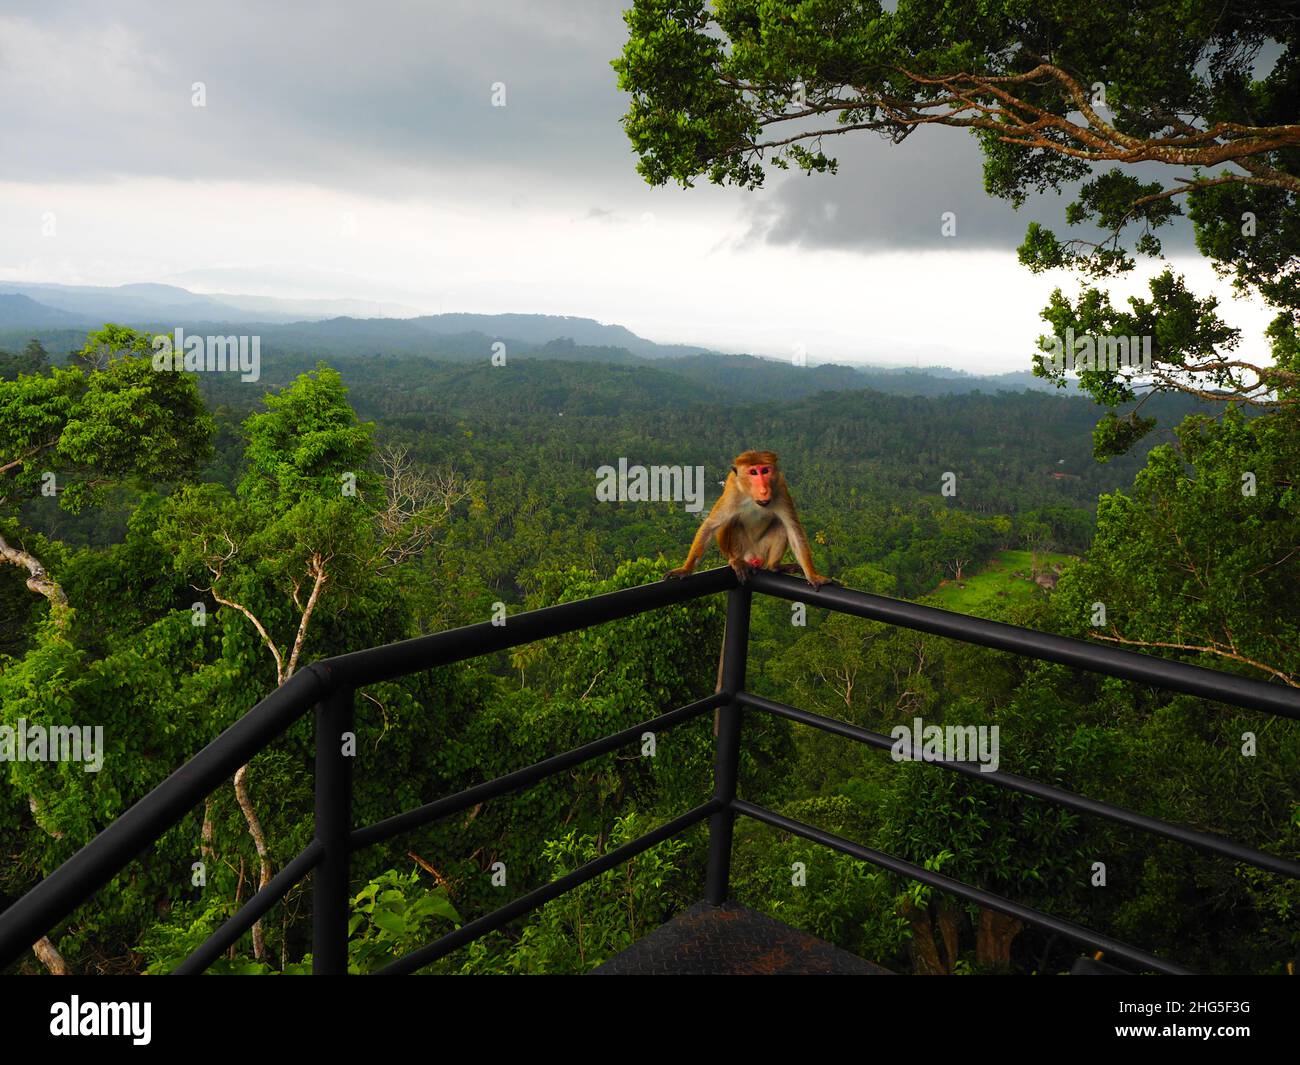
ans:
(746, 378)
(169, 305)
(60, 315)
(467, 335)
(749, 379)
(23, 311)
(166, 306)
(125, 303)
(567, 350)
(542, 328)
(1012, 381)
(274, 309)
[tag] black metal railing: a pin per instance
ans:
(330, 687)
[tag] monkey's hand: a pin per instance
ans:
(742, 569)
(676, 574)
(817, 580)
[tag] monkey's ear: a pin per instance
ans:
(733, 469)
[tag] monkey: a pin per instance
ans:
(754, 522)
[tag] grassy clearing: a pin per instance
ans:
(995, 585)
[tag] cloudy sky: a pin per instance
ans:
(347, 150)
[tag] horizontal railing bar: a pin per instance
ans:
(40, 909)
(522, 778)
(424, 652)
(1067, 929)
(1205, 841)
(247, 915)
(1130, 665)
(539, 896)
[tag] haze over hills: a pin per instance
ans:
(141, 303)
(21, 311)
(60, 315)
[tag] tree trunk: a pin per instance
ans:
(994, 937)
(263, 854)
(50, 957)
(925, 953)
(948, 916)
(206, 848)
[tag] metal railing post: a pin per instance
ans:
(334, 718)
(727, 750)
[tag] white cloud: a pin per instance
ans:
(676, 276)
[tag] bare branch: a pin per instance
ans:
(1211, 648)
(261, 629)
(316, 569)
(417, 503)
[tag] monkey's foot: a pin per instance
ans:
(676, 574)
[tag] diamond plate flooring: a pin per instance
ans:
(732, 940)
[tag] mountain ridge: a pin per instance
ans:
(453, 336)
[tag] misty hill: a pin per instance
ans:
(567, 350)
(163, 307)
(746, 379)
(128, 304)
(299, 325)
(275, 309)
(541, 328)
(166, 306)
(22, 311)
(468, 336)
(61, 315)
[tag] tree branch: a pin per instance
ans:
(40, 580)
(316, 569)
(1285, 678)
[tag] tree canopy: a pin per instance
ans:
(1204, 94)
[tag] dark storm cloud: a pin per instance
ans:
(394, 98)
(894, 197)
(361, 95)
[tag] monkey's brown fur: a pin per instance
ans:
(754, 522)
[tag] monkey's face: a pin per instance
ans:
(758, 482)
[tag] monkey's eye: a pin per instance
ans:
(753, 473)
(765, 470)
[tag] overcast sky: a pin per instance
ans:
(349, 150)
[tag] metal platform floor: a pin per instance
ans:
(732, 940)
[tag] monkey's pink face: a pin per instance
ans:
(759, 479)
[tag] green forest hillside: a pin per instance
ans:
(207, 538)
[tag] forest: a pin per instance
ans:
(198, 548)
